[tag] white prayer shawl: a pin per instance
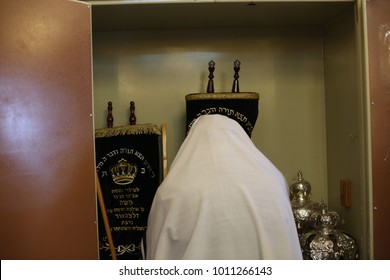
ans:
(222, 199)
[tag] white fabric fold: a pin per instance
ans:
(222, 199)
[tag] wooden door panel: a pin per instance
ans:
(47, 191)
(378, 24)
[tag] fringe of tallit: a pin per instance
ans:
(127, 130)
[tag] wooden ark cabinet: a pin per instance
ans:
(321, 69)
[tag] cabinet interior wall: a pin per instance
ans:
(311, 109)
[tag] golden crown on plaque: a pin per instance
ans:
(123, 173)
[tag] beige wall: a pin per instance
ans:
(157, 69)
(346, 133)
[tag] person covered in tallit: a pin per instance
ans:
(222, 198)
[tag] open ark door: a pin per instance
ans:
(378, 33)
(47, 187)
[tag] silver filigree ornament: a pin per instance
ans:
(302, 206)
(325, 242)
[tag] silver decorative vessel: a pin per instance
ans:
(326, 242)
(302, 206)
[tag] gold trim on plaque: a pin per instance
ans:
(222, 95)
(127, 130)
